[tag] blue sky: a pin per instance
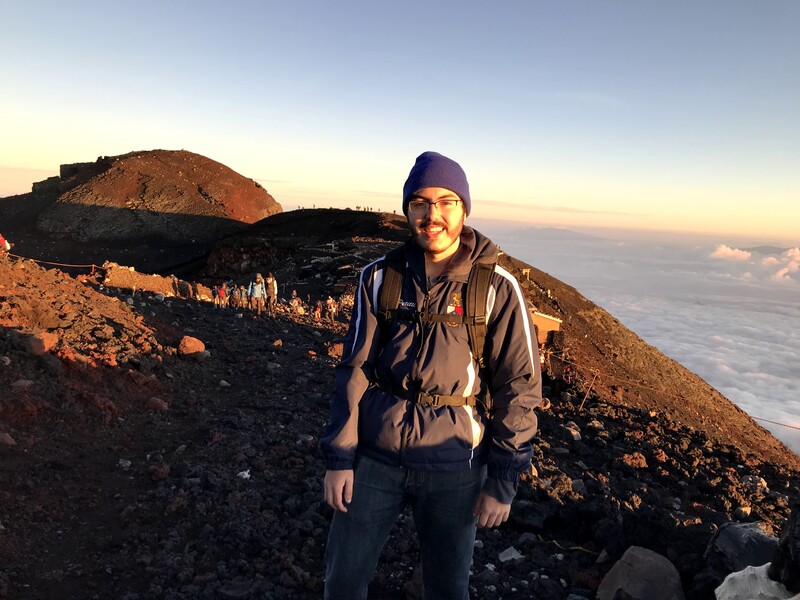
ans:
(678, 116)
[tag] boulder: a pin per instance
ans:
(191, 347)
(785, 566)
(740, 545)
(41, 343)
(533, 515)
(157, 405)
(7, 440)
(753, 583)
(641, 574)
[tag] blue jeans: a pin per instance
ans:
(442, 504)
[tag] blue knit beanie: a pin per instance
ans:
(434, 170)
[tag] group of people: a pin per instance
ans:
(330, 308)
(327, 307)
(261, 295)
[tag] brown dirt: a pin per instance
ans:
(150, 209)
(105, 492)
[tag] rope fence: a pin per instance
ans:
(54, 264)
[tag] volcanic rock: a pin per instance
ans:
(172, 195)
(151, 209)
(191, 347)
(785, 566)
(102, 494)
(739, 545)
(41, 343)
(642, 574)
(753, 583)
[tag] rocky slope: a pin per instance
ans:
(150, 209)
(129, 470)
(314, 250)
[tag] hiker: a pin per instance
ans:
(214, 292)
(5, 246)
(330, 309)
(272, 294)
(318, 310)
(257, 293)
(220, 296)
(296, 304)
(410, 422)
(235, 296)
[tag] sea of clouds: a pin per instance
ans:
(728, 313)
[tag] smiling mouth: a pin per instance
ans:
(432, 229)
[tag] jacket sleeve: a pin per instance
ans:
(515, 385)
(353, 374)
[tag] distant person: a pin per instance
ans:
(272, 294)
(409, 425)
(318, 310)
(214, 292)
(220, 296)
(330, 309)
(296, 304)
(236, 296)
(257, 292)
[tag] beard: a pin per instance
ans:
(435, 236)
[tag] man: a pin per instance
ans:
(385, 446)
(257, 292)
(272, 294)
(330, 309)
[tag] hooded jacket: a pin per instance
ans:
(435, 357)
(257, 289)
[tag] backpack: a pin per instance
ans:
(474, 318)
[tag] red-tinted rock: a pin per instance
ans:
(191, 347)
(41, 343)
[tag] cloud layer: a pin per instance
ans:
(728, 314)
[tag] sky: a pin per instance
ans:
(728, 314)
(678, 116)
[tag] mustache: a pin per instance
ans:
(429, 222)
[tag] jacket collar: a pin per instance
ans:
(474, 247)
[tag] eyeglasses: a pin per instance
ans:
(420, 207)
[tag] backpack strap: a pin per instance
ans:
(475, 309)
(475, 320)
(394, 268)
(425, 399)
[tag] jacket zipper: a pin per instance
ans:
(415, 380)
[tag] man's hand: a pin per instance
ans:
(338, 486)
(490, 511)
